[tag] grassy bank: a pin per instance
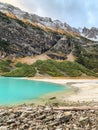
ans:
(47, 67)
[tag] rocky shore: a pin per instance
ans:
(30, 117)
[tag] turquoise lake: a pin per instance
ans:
(14, 90)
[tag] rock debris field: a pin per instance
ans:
(47, 118)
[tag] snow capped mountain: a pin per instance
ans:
(48, 22)
(45, 21)
(90, 33)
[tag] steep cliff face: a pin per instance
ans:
(21, 38)
(91, 33)
(47, 22)
(68, 45)
(24, 39)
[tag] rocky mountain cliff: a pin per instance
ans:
(47, 22)
(23, 34)
(42, 21)
(90, 33)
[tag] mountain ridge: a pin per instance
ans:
(22, 37)
(35, 40)
(25, 39)
(7, 8)
(15, 12)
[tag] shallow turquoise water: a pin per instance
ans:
(14, 90)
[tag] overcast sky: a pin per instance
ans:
(77, 13)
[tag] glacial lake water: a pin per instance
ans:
(17, 90)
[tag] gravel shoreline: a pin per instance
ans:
(30, 117)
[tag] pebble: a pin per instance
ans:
(3, 128)
(46, 118)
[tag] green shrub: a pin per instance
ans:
(25, 71)
(75, 69)
(89, 63)
(48, 67)
(87, 58)
(4, 69)
(4, 66)
(38, 63)
(19, 64)
(67, 68)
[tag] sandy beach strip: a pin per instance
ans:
(87, 88)
(63, 80)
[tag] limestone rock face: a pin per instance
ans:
(91, 33)
(23, 34)
(44, 21)
(47, 22)
(24, 41)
